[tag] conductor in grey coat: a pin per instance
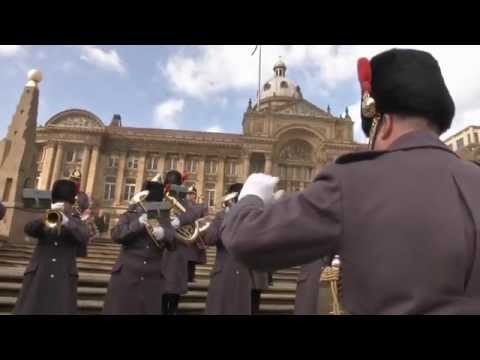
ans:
(403, 216)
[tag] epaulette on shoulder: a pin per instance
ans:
(358, 156)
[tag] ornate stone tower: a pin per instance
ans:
(18, 156)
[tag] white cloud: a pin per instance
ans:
(165, 114)
(212, 70)
(10, 50)
(215, 128)
(104, 59)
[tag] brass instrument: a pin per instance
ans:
(190, 233)
(229, 199)
(331, 279)
(152, 221)
(53, 219)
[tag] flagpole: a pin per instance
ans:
(259, 76)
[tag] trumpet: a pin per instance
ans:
(139, 199)
(53, 219)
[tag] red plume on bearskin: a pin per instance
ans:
(364, 74)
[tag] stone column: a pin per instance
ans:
(200, 176)
(57, 168)
(84, 168)
(220, 179)
(92, 171)
(181, 163)
(120, 177)
(44, 183)
(140, 171)
(268, 164)
(161, 165)
(246, 166)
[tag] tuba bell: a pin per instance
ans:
(190, 233)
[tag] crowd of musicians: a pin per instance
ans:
(402, 218)
(153, 269)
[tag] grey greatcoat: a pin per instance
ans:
(404, 221)
(51, 278)
(137, 283)
(308, 287)
(175, 266)
(230, 280)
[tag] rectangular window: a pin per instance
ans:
(171, 163)
(78, 156)
(113, 162)
(210, 192)
(231, 168)
(191, 166)
(211, 167)
(70, 156)
(109, 190)
(460, 144)
(132, 163)
(129, 189)
(152, 163)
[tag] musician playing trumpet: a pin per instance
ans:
(50, 279)
(137, 282)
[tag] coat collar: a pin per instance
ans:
(412, 140)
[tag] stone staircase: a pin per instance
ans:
(95, 270)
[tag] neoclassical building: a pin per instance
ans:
(284, 135)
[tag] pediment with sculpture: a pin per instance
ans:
(296, 150)
(303, 108)
(76, 119)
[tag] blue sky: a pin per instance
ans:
(206, 87)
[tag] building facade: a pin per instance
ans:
(284, 135)
(466, 137)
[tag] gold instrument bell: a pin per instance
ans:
(53, 219)
(229, 199)
(190, 233)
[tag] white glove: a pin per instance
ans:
(278, 195)
(158, 232)
(57, 206)
(64, 219)
(143, 219)
(261, 185)
(175, 221)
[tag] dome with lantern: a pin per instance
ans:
(279, 85)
